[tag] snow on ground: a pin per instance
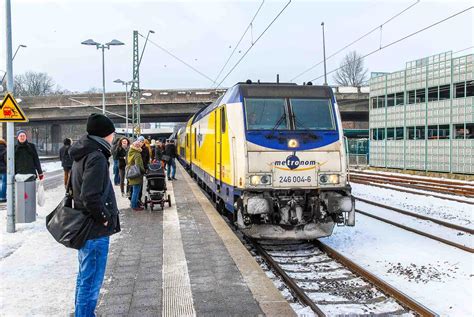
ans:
(37, 274)
(420, 177)
(443, 209)
(51, 166)
(437, 275)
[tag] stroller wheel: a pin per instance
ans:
(151, 206)
(169, 201)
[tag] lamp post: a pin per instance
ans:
(125, 83)
(324, 56)
(103, 47)
(19, 46)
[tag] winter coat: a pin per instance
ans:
(135, 158)
(3, 158)
(145, 157)
(170, 150)
(121, 157)
(65, 157)
(91, 187)
(158, 153)
(27, 159)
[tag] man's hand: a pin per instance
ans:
(106, 223)
(41, 177)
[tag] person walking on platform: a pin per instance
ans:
(3, 171)
(170, 151)
(122, 151)
(66, 159)
(94, 194)
(159, 152)
(114, 157)
(134, 158)
(26, 157)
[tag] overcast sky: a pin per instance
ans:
(201, 32)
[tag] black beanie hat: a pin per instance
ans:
(99, 125)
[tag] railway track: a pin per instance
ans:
(331, 284)
(433, 185)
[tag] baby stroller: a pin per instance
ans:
(156, 187)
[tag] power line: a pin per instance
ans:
(179, 59)
(464, 49)
(238, 62)
(357, 40)
(241, 38)
(401, 39)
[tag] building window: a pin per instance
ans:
(391, 100)
(399, 98)
(444, 92)
(459, 90)
(411, 97)
(374, 102)
(381, 134)
(380, 101)
(432, 132)
(420, 133)
(390, 133)
(399, 135)
(374, 134)
(443, 132)
(433, 94)
(411, 133)
(469, 131)
(420, 96)
(470, 88)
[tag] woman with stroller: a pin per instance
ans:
(121, 154)
(135, 158)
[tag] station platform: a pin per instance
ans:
(184, 261)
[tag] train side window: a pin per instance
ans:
(222, 119)
(195, 143)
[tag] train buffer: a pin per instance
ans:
(184, 260)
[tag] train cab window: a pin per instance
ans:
(222, 120)
(266, 114)
(312, 114)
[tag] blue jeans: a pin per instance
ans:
(171, 168)
(3, 186)
(135, 195)
(116, 173)
(92, 263)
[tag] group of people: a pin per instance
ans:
(140, 153)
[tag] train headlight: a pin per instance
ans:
(292, 143)
(328, 179)
(256, 180)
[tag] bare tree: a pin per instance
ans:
(351, 71)
(34, 84)
(94, 90)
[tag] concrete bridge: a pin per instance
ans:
(53, 118)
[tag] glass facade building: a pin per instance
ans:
(422, 118)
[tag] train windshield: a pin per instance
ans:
(312, 114)
(266, 114)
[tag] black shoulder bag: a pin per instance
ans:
(67, 225)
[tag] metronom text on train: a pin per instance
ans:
(273, 158)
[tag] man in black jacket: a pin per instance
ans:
(66, 159)
(93, 193)
(170, 151)
(26, 157)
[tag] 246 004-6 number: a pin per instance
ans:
(295, 179)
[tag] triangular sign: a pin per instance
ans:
(10, 111)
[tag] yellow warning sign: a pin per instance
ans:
(10, 111)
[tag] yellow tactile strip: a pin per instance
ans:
(265, 293)
(177, 295)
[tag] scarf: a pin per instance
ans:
(106, 145)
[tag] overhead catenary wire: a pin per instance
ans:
(401, 39)
(240, 40)
(378, 27)
(464, 49)
(179, 59)
(253, 44)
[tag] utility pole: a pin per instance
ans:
(10, 126)
(324, 57)
(135, 89)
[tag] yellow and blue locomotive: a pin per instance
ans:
(273, 157)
